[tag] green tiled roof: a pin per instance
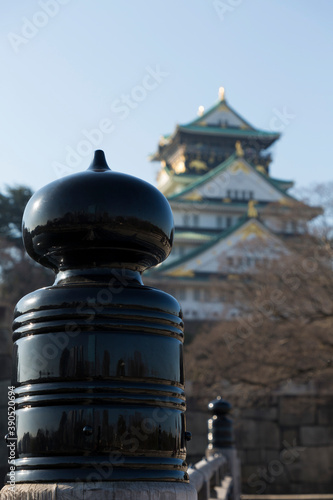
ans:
(241, 132)
(220, 168)
(197, 251)
(283, 184)
(215, 108)
(206, 176)
(196, 126)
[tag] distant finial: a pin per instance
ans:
(221, 94)
(251, 210)
(201, 110)
(239, 149)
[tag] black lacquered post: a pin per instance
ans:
(99, 356)
(220, 428)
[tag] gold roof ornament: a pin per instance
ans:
(261, 169)
(253, 229)
(163, 140)
(180, 272)
(201, 110)
(239, 149)
(179, 167)
(193, 196)
(221, 94)
(251, 210)
(239, 166)
(198, 165)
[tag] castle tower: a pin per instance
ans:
(230, 214)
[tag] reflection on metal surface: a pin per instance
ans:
(99, 357)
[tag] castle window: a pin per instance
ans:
(196, 294)
(245, 195)
(228, 220)
(182, 294)
(219, 221)
(196, 220)
(186, 219)
(230, 261)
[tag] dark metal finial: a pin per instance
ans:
(220, 431)
(105, 219)
(99, 230)
(99, 163)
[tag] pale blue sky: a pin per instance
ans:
(70, 74)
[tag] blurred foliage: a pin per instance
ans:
(19, 274)
(12, 204)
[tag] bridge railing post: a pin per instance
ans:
(221, 440)
(99, 379)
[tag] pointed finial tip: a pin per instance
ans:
(239, 148)
(201, 110)
(99, 162)
(252, 212)
(221, 94)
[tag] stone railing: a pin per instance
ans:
(210, 478)
(218, 475)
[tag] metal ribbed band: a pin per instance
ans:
(91, 398)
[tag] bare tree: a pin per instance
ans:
(282, 331)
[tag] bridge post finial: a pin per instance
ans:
(221, 440)
(99, 378)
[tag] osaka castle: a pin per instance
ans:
(230, 214)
